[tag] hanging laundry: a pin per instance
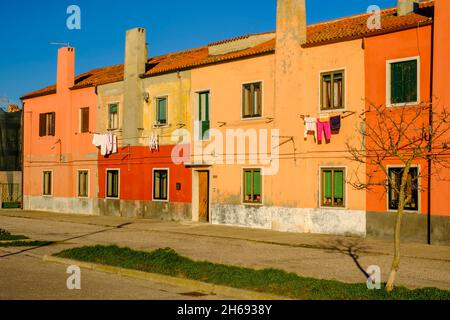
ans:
(106, 142)
(153, 142)
(335, 123)
(311, 126)
(109, 143)
(323, 127)
(115, 144)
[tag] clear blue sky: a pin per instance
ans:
(28, 61)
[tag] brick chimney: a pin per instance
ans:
(405, 7)
(136, 55)
(65, 77)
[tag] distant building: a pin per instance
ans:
(11, 157)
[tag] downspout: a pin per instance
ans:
(430, 142)
(22, 152)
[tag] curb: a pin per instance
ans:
(240, 294)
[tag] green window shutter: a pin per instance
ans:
(205, 130)
(327, 184)
(339, 184)
(257, 182)
(248, 182)
(410, 76)
(397, 95)
(113, 108)
(162, 110)
(404, 82)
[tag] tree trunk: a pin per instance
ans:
(397, 234)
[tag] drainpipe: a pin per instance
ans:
(22, 151)
(430, 142)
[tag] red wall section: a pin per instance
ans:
(136, 164)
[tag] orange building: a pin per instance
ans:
(399, 70)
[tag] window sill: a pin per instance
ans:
(404, 104)
(162, 201)
(333, 208)
(109, 198)
(328, 111)
(252, 118)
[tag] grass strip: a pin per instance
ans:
(168, 262)
(6, 236)
(25, 244)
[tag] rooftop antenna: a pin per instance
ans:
(63, 44)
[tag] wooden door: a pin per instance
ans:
(203, 196)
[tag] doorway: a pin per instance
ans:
(203, 196)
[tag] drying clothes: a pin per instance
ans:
(115, 144)
(310, 126)
(106, 142)
(321, 127)
(153, 142)
(335, 123)
(97, 140)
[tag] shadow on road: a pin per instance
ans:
(349, 247)
(50, 243)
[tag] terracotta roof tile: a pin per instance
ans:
(342, 29)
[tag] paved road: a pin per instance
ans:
(26, 276)
(325, 257)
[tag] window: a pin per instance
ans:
(113, 116)
(252, 186)
(83, 183)
(112, 183)
(332, 90)
(203, 116)
(252, 100)
(333, 194)
(47, 183)
(395, 180)
(161, 111)
(404, 82)
(84, 120)
(160, 183)
(47, 124)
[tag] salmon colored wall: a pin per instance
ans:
(136, 173)
(224, 81)
(378, 50)
(439, 199)
(43, 153)
(298, 182)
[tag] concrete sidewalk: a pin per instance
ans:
(318, 256)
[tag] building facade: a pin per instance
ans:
(252, 131)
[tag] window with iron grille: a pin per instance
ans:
(112, 183)
(160, 184)
(47, 183)
(411, 192)
(83, 183)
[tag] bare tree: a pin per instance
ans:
(406, 135)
